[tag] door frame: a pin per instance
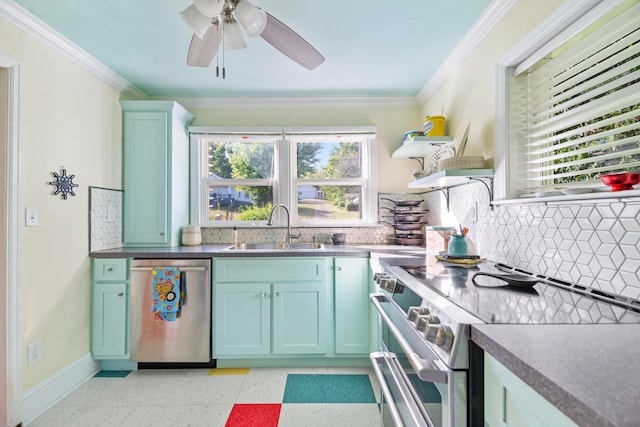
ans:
(11, 379)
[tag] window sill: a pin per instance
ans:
(595, 196)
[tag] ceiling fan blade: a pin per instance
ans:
(203, 50)
(291, 44)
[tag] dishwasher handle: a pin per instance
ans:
(187, 269)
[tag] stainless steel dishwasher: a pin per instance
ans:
(187, 338)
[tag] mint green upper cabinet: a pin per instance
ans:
(351, 292)
(271, 306)
(110, 312)
(156, 172)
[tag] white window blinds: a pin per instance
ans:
(578, 108)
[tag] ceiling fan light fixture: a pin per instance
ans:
(198, 23)
(209, 8)
(232, 36)
(252, 18)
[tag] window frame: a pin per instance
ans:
(571, 17)
(285, 180)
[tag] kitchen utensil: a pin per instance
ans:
(445, 152)
(411, 203)
(406, 225)
(338, 238)
(507, 279)
(576, 190)
(409, 239)
(463, 142)
(409, 217)
(467, 162)
(621, 181)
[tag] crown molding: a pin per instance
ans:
(24, 20)
(491, 16)
(321, 102)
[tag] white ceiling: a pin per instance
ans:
(372, 47)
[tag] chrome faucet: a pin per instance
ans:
(270, 221)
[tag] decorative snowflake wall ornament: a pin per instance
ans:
(64, 184)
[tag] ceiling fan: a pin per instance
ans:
(219, 22)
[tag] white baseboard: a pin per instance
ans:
(43, 396)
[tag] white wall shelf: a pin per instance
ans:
(443, 180)
(420, 146)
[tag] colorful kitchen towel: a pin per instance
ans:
(166, 294)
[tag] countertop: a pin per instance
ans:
(589, 372)
(209, 251)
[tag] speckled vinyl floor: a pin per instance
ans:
(260, 397)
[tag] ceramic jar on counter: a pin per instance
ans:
(191, 235)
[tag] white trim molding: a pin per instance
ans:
(489, 18)
(23, 19)
(321, 102)
(11, 298)
(43, 396)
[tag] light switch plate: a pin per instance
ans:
(32, 217)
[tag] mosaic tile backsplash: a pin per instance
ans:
(105, 219)
(593, 243)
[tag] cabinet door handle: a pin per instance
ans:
(265, 295)
(109, 269)
(186, 269)
(277, 294)
(121, 294)
(338, 268)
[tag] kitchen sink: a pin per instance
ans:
(276, 247)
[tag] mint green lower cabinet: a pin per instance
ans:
(242, 314)
(110, 313)
(299, 318)
(271, 306)
(509, 402)
(351, 293)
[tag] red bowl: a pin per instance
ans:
(621, 181)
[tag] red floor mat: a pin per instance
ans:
(254, 415)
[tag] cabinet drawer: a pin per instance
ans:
(110, 269)
(270, 269)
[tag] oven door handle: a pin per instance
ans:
(428, 370)
(402, 386)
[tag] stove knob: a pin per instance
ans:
(414, 312)
(424, 321)
(388, 283)
(431, 333)
(378, 277)
(444, 337)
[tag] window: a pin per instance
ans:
(573, 105)
(325, 178)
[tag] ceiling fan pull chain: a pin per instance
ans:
(223, 70)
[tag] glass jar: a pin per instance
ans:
(458, 245)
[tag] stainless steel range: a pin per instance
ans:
(430, 372)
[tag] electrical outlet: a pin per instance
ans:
(34, 352)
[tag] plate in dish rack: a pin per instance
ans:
(445, 152)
